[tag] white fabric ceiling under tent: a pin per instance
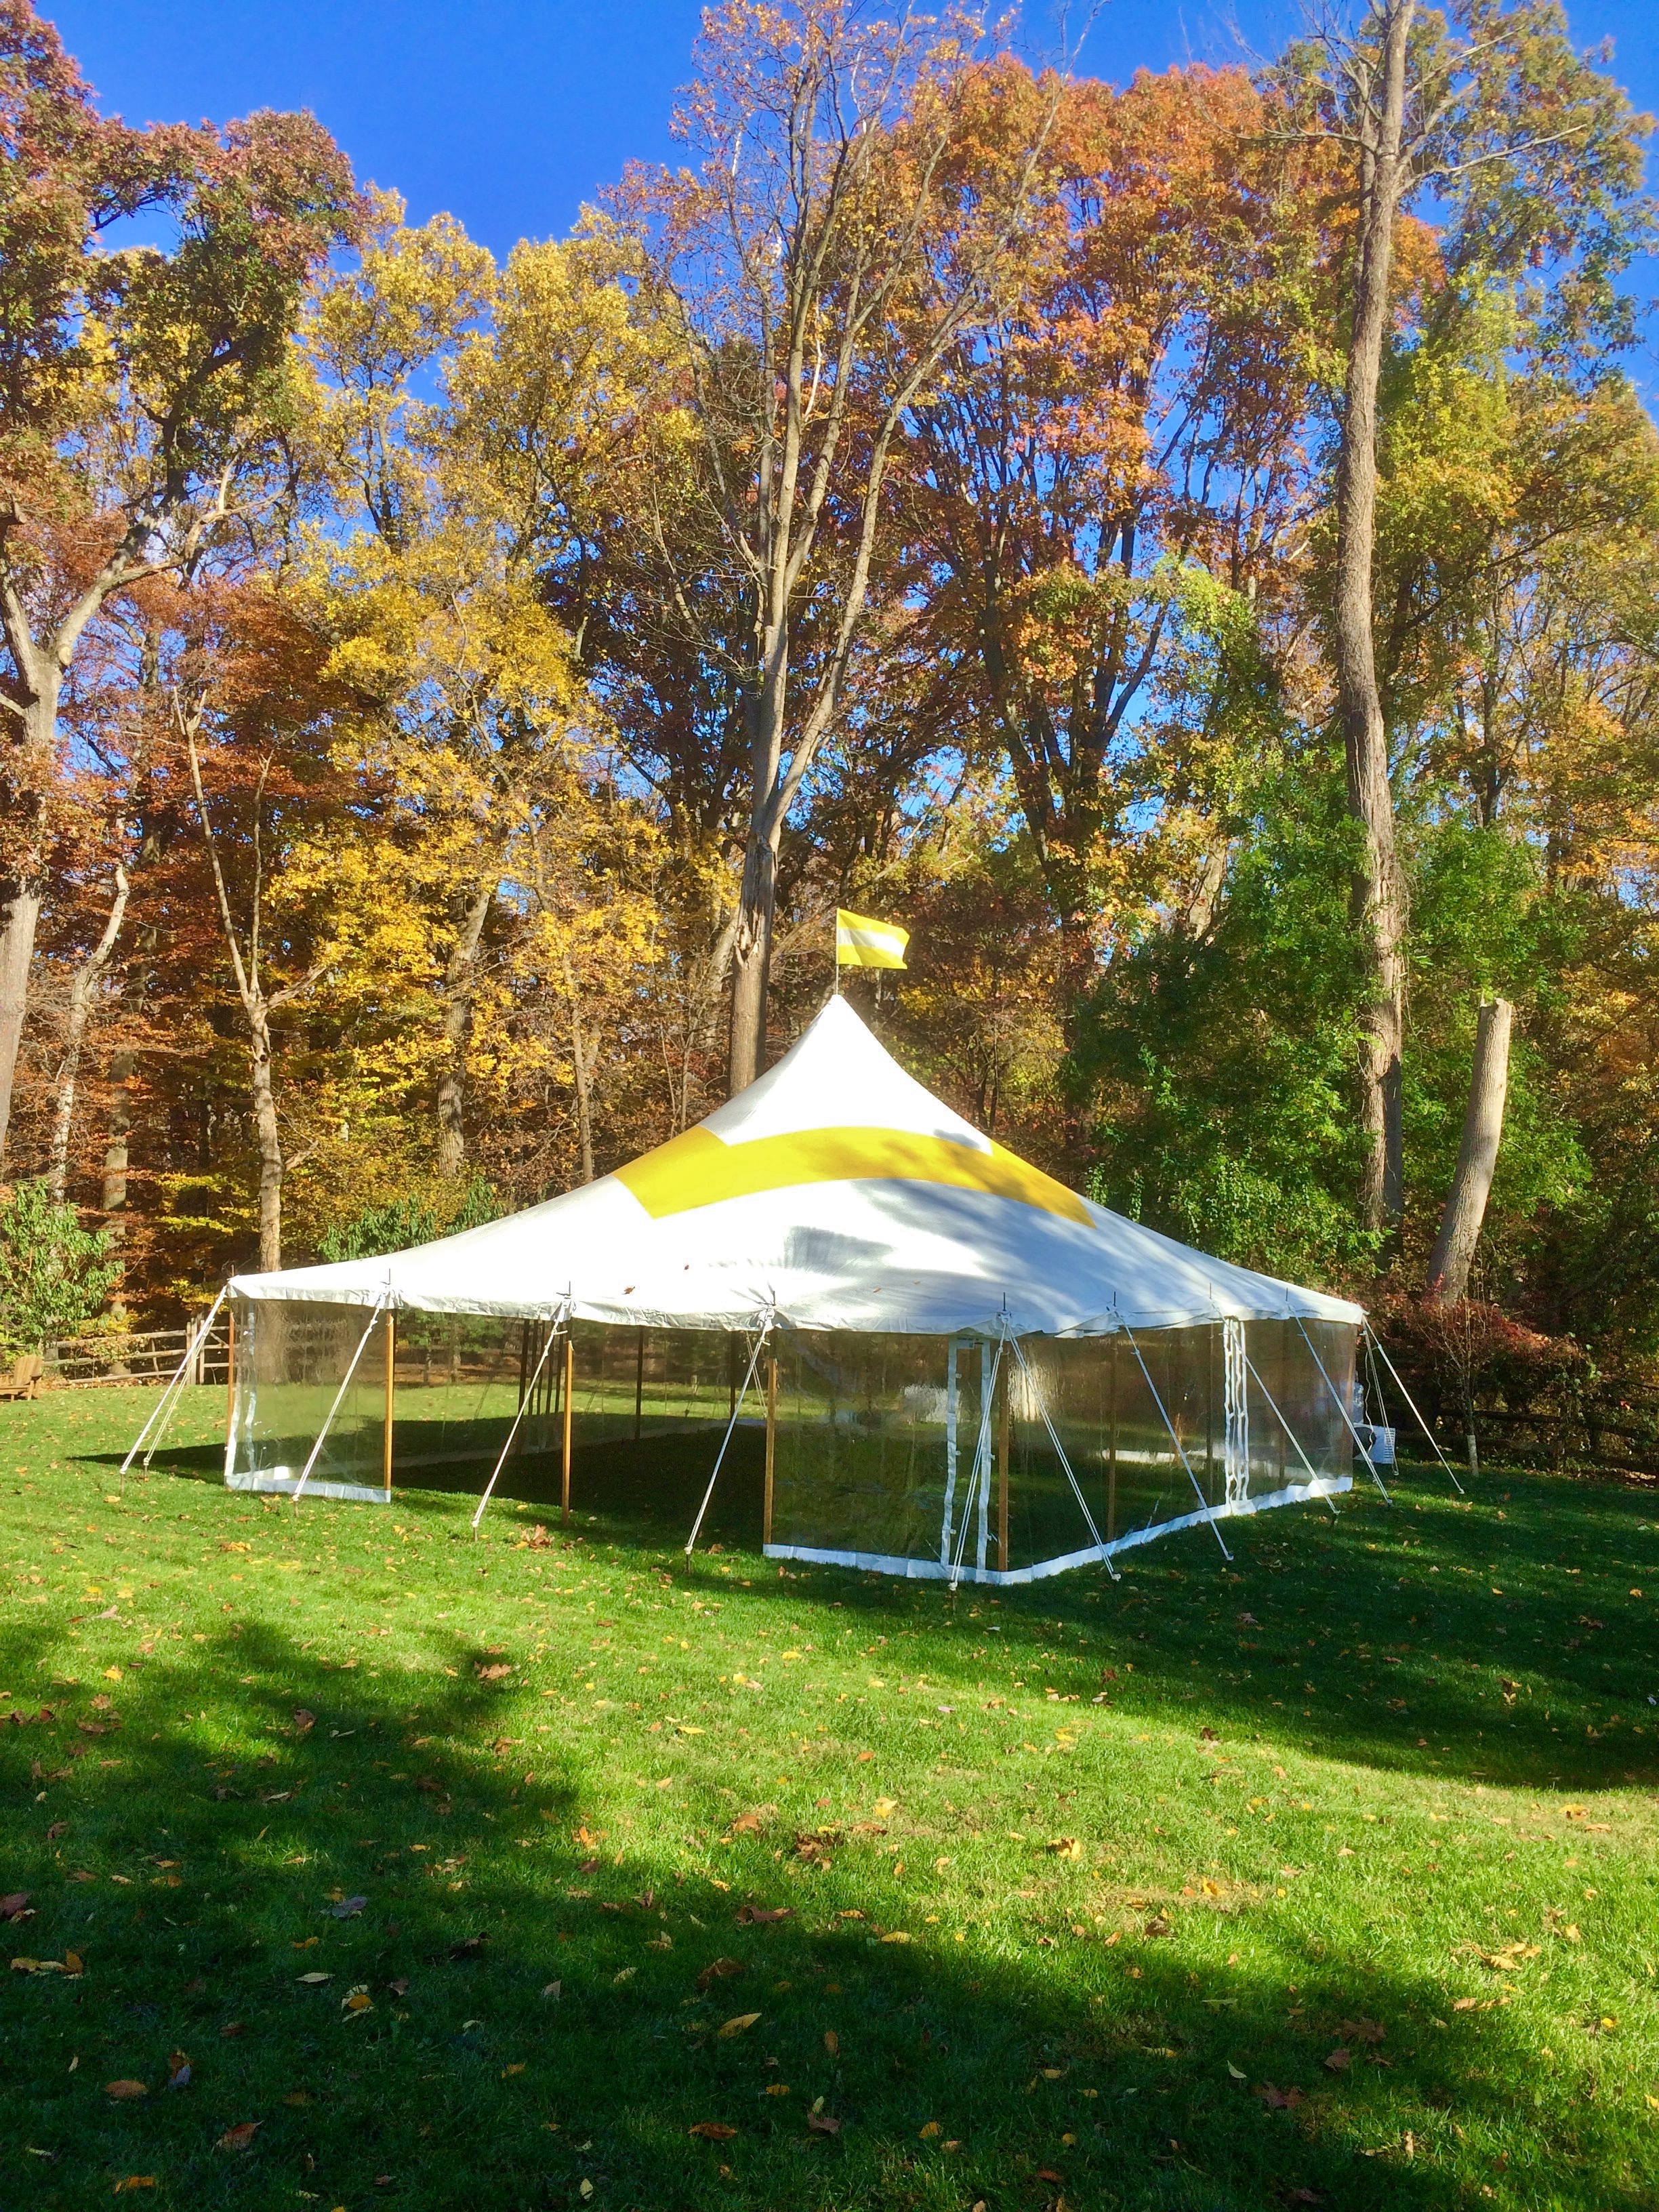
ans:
(834, 1192)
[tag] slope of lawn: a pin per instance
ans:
(368, 1862)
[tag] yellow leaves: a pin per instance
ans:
(739, 2024)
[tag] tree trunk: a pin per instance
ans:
(751, 956)
(270, 1139)
(457, 1027)
(122, 1068)
(20, 913)
(79, 1012)
(1477, 1156)
(1379, 896)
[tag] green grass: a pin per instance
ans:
(1432, 1741)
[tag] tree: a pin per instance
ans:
(53, 1274)
(796, 263)
(141, 390)
(1533, 163)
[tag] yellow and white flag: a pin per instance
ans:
(861, 943)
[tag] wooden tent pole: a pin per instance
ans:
(391, 1385)
(1002, 1473)
(564, 1460)
(771, 1446)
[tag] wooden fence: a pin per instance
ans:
(148, 1356)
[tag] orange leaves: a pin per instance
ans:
(124, 2092)
(712, 2131)
(241, 2137)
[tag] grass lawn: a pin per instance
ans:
(523, 1872)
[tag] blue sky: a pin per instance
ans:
(509, 113)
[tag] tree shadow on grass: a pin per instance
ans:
(1492, 1638)
(552, 1993)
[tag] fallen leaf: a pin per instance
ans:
(739, 2023)
(359, 2002)
(1361, 2029)
(1048, 2174)
(929, 2128)
(73, 1963)
(1158, 1926)
(303, 1721)
(897, 1935)
(468, 1947)
(241, 2137)
(820, 2123)
(1236, 2073)
(498, 1673)
(1464, 2004)
(712, 2131)
(719, 1970)
(124, 2090)
(316, 1977)
(1340, 2060)
(763, 1916)
(832, 2042)
(1279, 2101)
(13, 1907)
(1065, 1847)
(349, 1908)
(178, 2071)
(133, 2181)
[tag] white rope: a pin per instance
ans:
(1343, 1410)
(339, 1396)
(691, 1541)
(1375, 1339)
(170, 1396)
(554, 1327)
(1198, 1487)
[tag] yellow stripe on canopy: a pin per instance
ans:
(697, 1169)
(861, 943)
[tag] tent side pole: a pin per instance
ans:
(1111, 1461)
(564, 1437)
(391, 1385)
(771, 1447)
(162, 1410)
(1002, 1474)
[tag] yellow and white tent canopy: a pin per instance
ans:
(834, 1193)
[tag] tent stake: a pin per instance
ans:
(1411, 1402)
(169, 1397)
(1346, 1416)
(1198, 1488)
(339, 1399)
(524, 1403)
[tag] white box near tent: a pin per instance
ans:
(960, 1368)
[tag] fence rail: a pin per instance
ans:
(147, 1356)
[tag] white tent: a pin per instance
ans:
(837, 1215)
